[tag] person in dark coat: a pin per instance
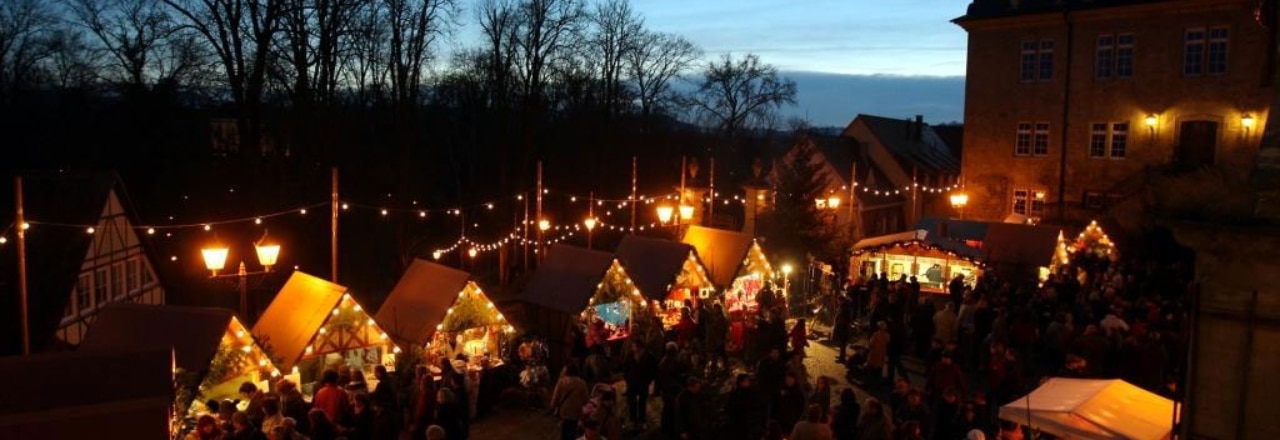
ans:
(639, 370)
(744, 410)
(840, 331)
(956, 289)
(770, 373)
(844, 418)
(449, 415)
(690, 413)
(788, 403)
(922, 326)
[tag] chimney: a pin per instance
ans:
(918, 129)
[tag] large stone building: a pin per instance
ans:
(1068, 104)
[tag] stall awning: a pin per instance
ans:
(567, 278)
(722, 252)
(419, 301)
(1093, 409)
(652, 263)
(918, 237)
(193, 333)
(296, 314)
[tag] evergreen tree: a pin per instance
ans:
(796, 227)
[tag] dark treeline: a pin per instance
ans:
(217, 108)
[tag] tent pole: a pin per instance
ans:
(333, 232)
(19, 223)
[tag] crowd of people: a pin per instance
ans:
(435, 407)
(982, 344)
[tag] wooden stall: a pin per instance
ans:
(667, 273)
(441, 310)
(932, 260)
(736, 263)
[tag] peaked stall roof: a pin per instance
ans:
(1099, 409)
(54, 255)
(920, 236)
(420, 300)
(722, 252)
(123, 394)
(296, 314)
(567, 278)
(193, 333)
(1009, 243)
(653, 264)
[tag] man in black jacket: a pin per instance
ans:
(639, 370)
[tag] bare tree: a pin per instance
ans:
(367, 61)
(415, 25)
(71, 61)
(657, 59)
(240, 32)
(546, 29)
(735, 95)
(24, 25)
(616, 31)
(498, 20)
(128, 30)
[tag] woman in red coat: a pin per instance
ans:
(799, 338)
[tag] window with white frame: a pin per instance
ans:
(1204, 51)
(1035, 62)
(1041, 139)
(117, 280)
(1029, 202)
(131, 275)
(1031, 139)
(82, 293)
(100, 289)
(1109, 140)
(1113, 57)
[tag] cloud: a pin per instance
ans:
(827, 99)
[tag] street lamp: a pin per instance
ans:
(958, 201)
(686, 213)
(786, 279)
(833, 202)
(215, 259)
(590, 224)
(664, 213)
(544, 225)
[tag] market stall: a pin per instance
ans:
(313, 324)
(439, 309)
(736, 263)
(1093, 409)
(667, 274)
(934, 261)
(584, 287)
(211, 348)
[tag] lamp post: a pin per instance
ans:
(590, 224)
(215, 259)
(675, 216)
(959, 200)
(786, 279)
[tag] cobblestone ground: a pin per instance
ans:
(513, 424)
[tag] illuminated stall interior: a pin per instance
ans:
(667, 273)
(615, 304)
(1093, 241)
(438, 308)
(933, 261)
(313, 324)
(736, 264)
(473, 327)
(213, 352)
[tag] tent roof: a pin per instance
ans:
(653, 264)
(193, 333)
(69, 380)
(921, 237)
(567, 278)
(722, 252)
(296, 314)
(1020, 244)
(1093, 409)
(419, 301)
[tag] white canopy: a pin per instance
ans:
(1093, 409)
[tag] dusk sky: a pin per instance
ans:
(894, 58)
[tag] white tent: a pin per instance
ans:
(1093, 409)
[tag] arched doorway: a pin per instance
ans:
(1197, 144)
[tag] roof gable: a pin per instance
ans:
(722, 252)
(296, 315)
(193, 333)
(67, 381)
(420, 300)
(913, 147)
(653, 264)
(567, 278)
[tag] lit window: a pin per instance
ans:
(1029, 202)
